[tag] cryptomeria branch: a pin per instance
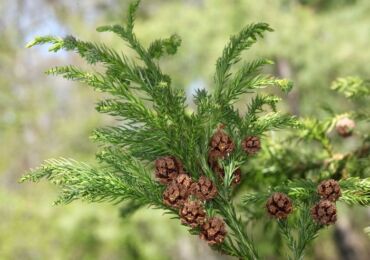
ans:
(158, 136)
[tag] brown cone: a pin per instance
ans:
(345, 126)
(251, 145)
(279, 205)
(204, 189)
(324, 212)
(192, 213)
(213, 231)
(178, 191)
(329, 190)
(221, 143)
(167, 169)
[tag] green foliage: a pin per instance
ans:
(326, 4)
(248, 78)
(231, 54)
(315, 161)
(356, 191)
(161, 47)
(306, 231)
(352, 87)
(81, 181)
(155, 121)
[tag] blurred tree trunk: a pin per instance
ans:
(284, 70)
(349, 244)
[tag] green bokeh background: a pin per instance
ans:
(315, 41)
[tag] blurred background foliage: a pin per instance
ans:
(315, 42)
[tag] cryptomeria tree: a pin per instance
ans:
(196, 165)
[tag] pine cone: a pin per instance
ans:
(204, 189)
(178, 191)
(213, 231)
(324, 212)
(345, 126)
(279, 205)
(251, 145)
(329, 190)
(167, 169)
(221, 143)
(192, 213)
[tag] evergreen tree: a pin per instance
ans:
(190, 163)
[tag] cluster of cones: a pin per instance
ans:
(189, 196)
(325, 211)
(279, 205)
(221, 146)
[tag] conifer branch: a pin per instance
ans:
(80, 181)
(356, 191)
(245, 245)
(306, 229)
(352, 87)
(161, 47)
(158, 137)
(231, 54)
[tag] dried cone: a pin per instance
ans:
(345, 126)
(221, 143)
(192, 213)
(178, 191)
(324, 212)
(167, 169)
(213, 231)
(204, 189)
(329, 190)
(279, 205)
(251, 145)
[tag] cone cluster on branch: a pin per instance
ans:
(325, 212)
(279, 205)
(181, 188)
(345, 126)
(188, 196)
(221, 145)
